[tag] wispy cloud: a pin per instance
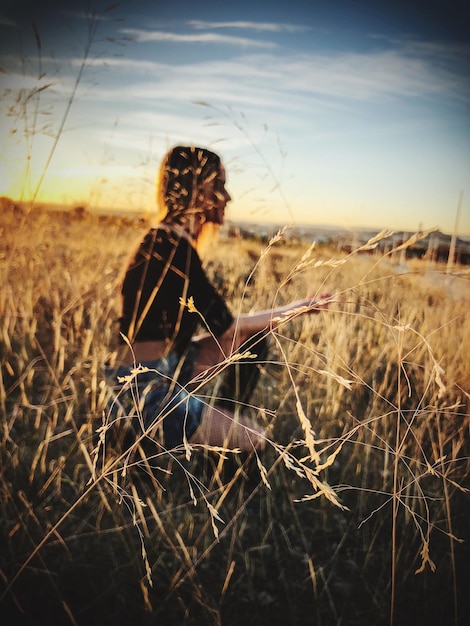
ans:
(374, 77)
(258, 26)
(369, 76)
(264, 78)
(145, 36)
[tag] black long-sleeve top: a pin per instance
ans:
(164, 274)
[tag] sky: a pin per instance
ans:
(347, 113)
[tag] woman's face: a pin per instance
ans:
(216, 198)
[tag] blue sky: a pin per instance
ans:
(348, 113)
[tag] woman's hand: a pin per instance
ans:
(319, 303)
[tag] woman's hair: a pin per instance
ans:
(183, 173)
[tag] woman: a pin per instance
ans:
(166, 297)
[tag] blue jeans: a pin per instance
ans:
(150, 396)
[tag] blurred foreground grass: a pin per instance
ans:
(383, 377)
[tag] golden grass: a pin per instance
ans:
(345, 524)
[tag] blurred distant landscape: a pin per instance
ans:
(435, 247)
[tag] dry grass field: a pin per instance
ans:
(363, 522)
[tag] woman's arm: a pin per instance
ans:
(248, 323)
(214, 350)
